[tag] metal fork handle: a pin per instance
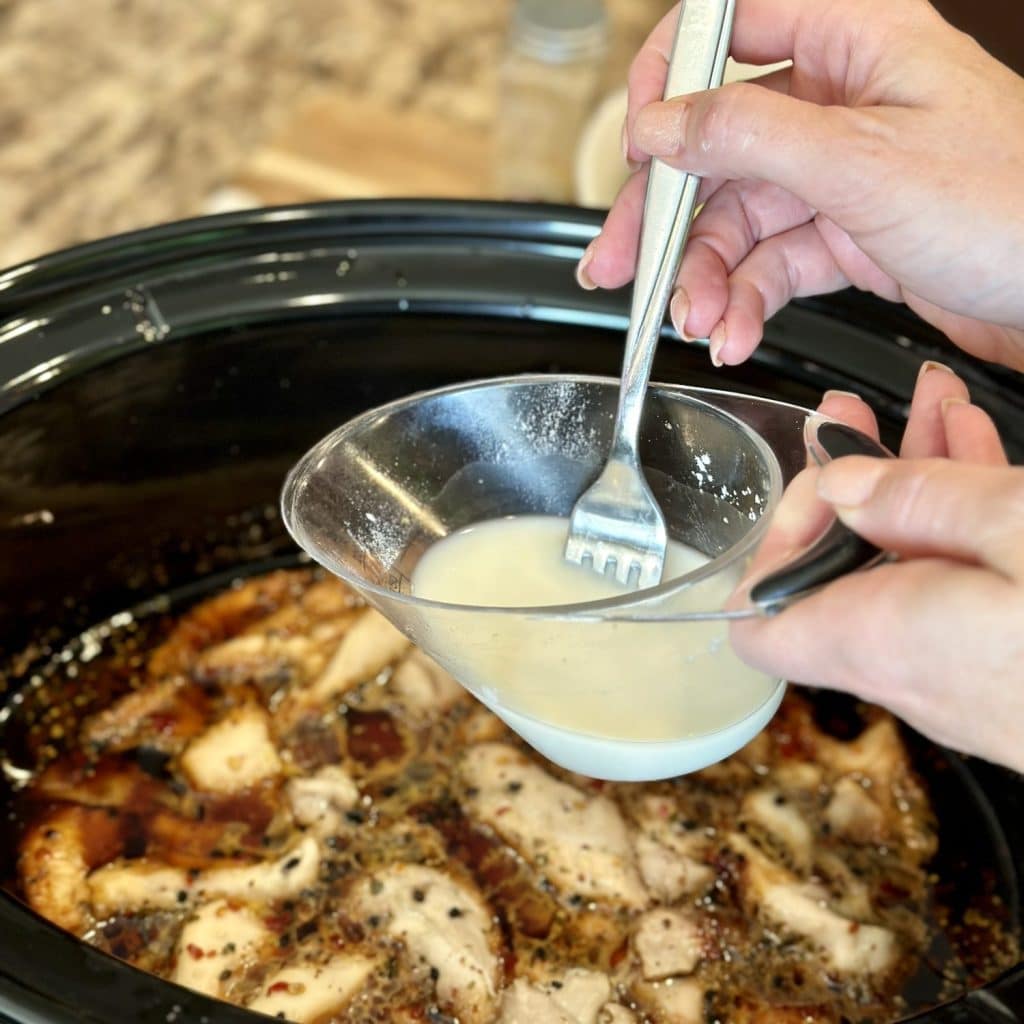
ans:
(697, 63)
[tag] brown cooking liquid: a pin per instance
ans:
(779, 864)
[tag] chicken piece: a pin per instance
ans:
(222, 616)
(219, 938)
(876, 754)
(670, 857)
(524, 1003)
(614, 1013)
(847, 946)
(368, 647)
(138, 885)
(279, 879)
(878, 760)
(145, 885)
(852, 813)
(675, 1001)
(668, 943)
(234, 754)
(851, 896)
(55, 860)
(328, 599)
(117, 726)
(481, 726)
(311, 992)
(108, 783)
(782, 820)
(577, 841)
(423, 686)
(267, 658)
(319, 801)
(798, 776)
(443, 923)
(668, 874)
(575, 998)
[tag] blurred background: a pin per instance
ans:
(117, 114)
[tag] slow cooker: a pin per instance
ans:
(156, 387)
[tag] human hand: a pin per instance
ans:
(937, 636)
(889, 157)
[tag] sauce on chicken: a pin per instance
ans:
(274, 799)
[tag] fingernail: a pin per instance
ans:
(835, 393)
(716, 342)
(948, 403)
(625, 139)
(679, 310)
(930, 364)
(850, 482)
(583, 279)
(660, 129)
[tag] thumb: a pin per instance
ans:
(744, 130)
(973, 513)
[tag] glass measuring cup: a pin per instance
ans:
(640, 686)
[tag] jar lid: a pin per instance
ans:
(560, 31)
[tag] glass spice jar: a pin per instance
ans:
(549, 82)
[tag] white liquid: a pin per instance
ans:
(518, 563)
(637, 681)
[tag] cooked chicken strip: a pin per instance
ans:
(876, 753)
(369, 646)
(120, 722)
(53, 867)
(268, 657)
(853, 814)
(670, 857)
(222, 616)
(582, 993)
(579, 842)
(782, 820)
(319, 801)
(442, 921)
(675, 1001)
(219, 938)
(524, 1003)
(142, 885)
(668, 943)
(575, 998)
(234, 754)
(309, 992)
(423, 686)
(328, 598)
(848, 946)
(613, 1013)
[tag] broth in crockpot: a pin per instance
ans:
(275, 800)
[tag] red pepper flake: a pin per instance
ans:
(278, 986)
(194, 951)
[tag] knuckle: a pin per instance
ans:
(720, 123)
(1014, 496)
(909, 498)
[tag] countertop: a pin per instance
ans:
(117, 114)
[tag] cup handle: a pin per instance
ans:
(838, 550)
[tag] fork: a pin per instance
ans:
(617, 527)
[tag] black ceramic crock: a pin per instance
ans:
(156, 387)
